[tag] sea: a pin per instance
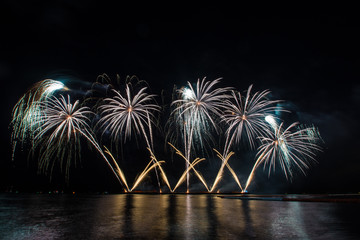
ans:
(172, 216)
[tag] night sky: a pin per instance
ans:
(309, 59)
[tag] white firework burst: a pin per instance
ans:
(125, 115)
(290, 148)
(62, 126)
(196, 114)
(197, 109)
(293, 148)
(26, 111)
(245, 116)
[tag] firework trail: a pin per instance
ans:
(191, 166)
(183, 176)
(118, 171)
(152, 164)
(125, 115)
(26, 112)
(195, 113)
(291, 148)
(164, 177)
(224, 161)
(244, 116)
(62, 125)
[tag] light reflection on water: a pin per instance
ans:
(140, 216)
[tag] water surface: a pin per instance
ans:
(146, 216)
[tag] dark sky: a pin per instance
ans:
(310, 59)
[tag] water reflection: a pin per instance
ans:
(212, 218)
(137, 216)
(248, 222)
(172, 212)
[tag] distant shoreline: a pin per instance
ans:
(299, 197)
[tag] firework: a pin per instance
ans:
(164, 177)
(197, 108)
(55, 126)
(62, 125)
(244, 117)
(291, 148)
(26, 112)
(125, 115)
(195, 113)
(191, 166)
(118, 170)
(152, 164)
(224, 161)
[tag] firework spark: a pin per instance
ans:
(290, 148)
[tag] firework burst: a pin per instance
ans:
(26, 112)
(196, 111)
(199, 112)
(244, 117)
(293, 147)
(124, 115)
(62, 125)
(130, 114)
